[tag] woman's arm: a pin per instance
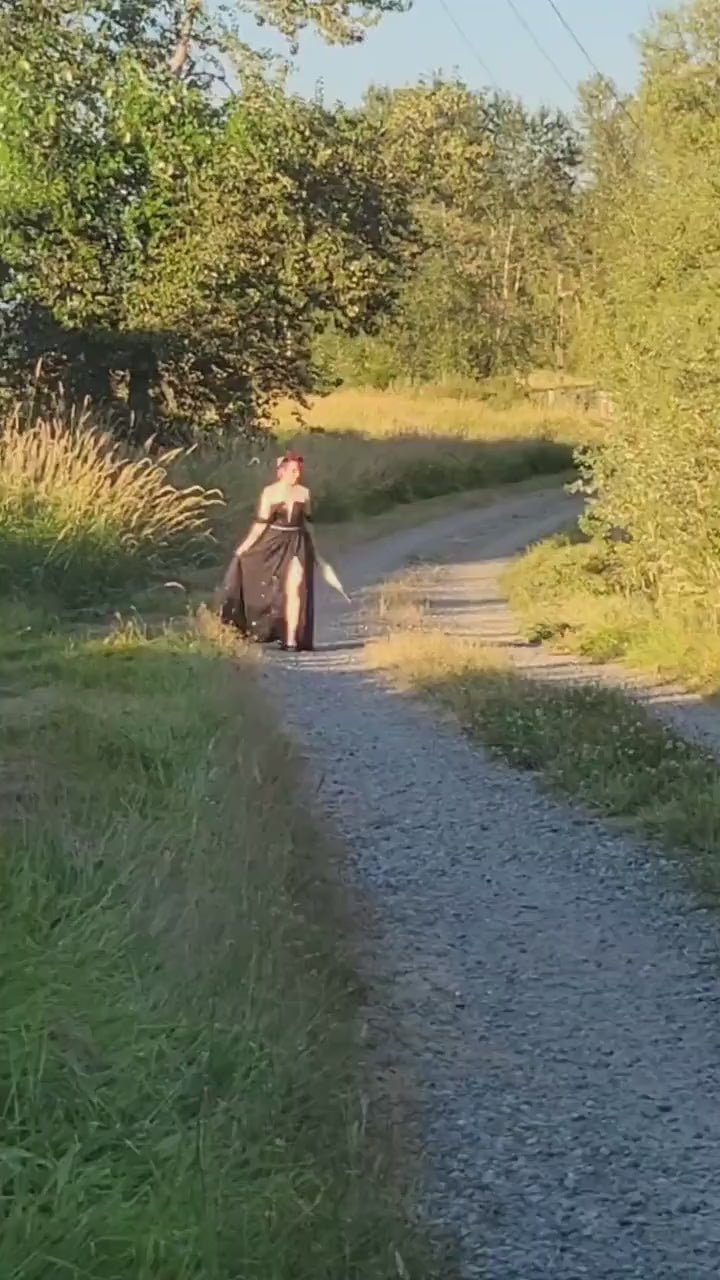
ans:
(259, 524)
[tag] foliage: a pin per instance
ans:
(652, 311)
(178, 1019)
(168, 248)
(493, 192)
(341, 21)
(79, 518)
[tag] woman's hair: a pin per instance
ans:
(288, 457)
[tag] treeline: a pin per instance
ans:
(494, 193)
(593, 246)
(175, 228)
(184, 240)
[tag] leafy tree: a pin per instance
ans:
(493, 188)
(339, 21)
(653, 309)
(166, 247)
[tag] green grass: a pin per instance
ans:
(594, 745)
(568, 593)
(179, 1059)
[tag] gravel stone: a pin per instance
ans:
(553, 982)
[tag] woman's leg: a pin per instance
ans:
(293, 600)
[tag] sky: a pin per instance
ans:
(405, 47)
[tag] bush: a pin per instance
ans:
(650, 318)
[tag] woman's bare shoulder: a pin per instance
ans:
(270, 491)
(303, 492)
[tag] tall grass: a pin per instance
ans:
(369, 451)
(78, 517)
(433, 412)
(178, 1017)
(352, 476)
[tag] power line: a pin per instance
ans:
(575, 38)
(567, 26)
(471, 46)
(539, 46)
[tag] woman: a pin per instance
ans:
(269, 588)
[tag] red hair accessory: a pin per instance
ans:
(291, 456)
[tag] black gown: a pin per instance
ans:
(254, 588)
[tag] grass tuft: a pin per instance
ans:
(79, 518)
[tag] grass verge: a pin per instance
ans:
(567, 593)
(592, 744)
(82, 521)
(178, 1035)
(368, 452)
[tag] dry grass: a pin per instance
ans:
(566, 592)
(368, 452)
(430, 411)
(552, 379)
(592, 744)
(78, 516)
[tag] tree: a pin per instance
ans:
(339, 21)
(168, 248)
(493, 189)
(653, 307)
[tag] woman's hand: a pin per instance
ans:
(250, 541)
(257, 528)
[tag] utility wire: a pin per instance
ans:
(574, 37)
(590, 60)
(471, 46)
(539, 46)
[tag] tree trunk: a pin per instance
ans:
(181, 55)
(503, 311)
(143, 375)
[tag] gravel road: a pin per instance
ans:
(553, 984)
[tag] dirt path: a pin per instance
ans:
(462, 586)
(552, 984)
